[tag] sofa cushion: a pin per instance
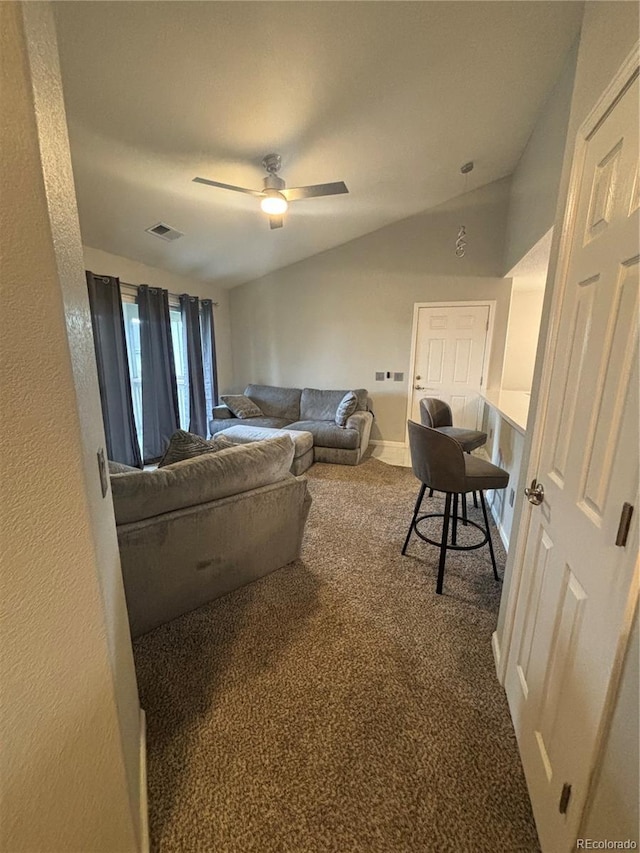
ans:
(244, 433)
(121, 468)
(346, 407)
(276, 402)
(241, 406)
(202, 479)
(329, 434)
(318, 405)
(185, 445)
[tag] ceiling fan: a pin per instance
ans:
(275, 197)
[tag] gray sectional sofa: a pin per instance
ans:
(310, 410)
(195, 530)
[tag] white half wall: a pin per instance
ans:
(334, 320)
(70, 721)
(522, 338)
(133, 272)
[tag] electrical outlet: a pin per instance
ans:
(379, 376)
(512, 497)
(398, 377)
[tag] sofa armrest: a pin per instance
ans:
(361, 421)
(220, 412)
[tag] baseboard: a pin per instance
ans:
(391, 452)
(144, 803)
(495, 648)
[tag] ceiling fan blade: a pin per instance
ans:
(276, 222)
(227, 186)
(297, 193)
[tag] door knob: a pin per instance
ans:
(535, 493)
(419, 387)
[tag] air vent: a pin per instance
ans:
(164, 231)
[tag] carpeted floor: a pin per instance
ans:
(338, 705)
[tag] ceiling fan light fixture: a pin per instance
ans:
(274, 203)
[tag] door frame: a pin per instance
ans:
(556, 286)
(475, 303)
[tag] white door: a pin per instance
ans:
(578, 587)
(450, 353)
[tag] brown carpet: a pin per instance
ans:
(338, 705)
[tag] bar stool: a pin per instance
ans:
(440, 464)
(436, 414)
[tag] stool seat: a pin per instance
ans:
(468, 439)
(481, 475)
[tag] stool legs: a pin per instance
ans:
(486, 524)
(415, 515)
(454, 525)
(443, 545)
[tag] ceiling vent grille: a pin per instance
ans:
(164, 231)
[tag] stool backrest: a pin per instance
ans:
(437, 460)
(435, 413)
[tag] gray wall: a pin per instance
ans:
(335, 319)
(535, 182)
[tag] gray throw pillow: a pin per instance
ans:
(241, 406)
(121, 468)
(346, 407)
(185, 445)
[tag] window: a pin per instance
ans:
(178, 337)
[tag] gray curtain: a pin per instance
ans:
(160, 417)
(210, 369)
(190, 307)
(113, 369)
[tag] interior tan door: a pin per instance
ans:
(450, 354)
(578, 586)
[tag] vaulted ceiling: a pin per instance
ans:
(391, 97)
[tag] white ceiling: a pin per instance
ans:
(391, 97)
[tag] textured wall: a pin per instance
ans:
(133, 272)
(70, 717)
(335, 319)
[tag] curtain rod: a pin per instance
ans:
(125, 285)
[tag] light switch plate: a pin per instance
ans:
(104, 477)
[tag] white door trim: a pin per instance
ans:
(535, 427)
(476, 303)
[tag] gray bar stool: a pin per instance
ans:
(437, 414)
(440, 464)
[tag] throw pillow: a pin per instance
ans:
(346, 407)
(185, 445)
(241, 406)
(121, 468)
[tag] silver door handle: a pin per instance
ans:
(535, 493)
